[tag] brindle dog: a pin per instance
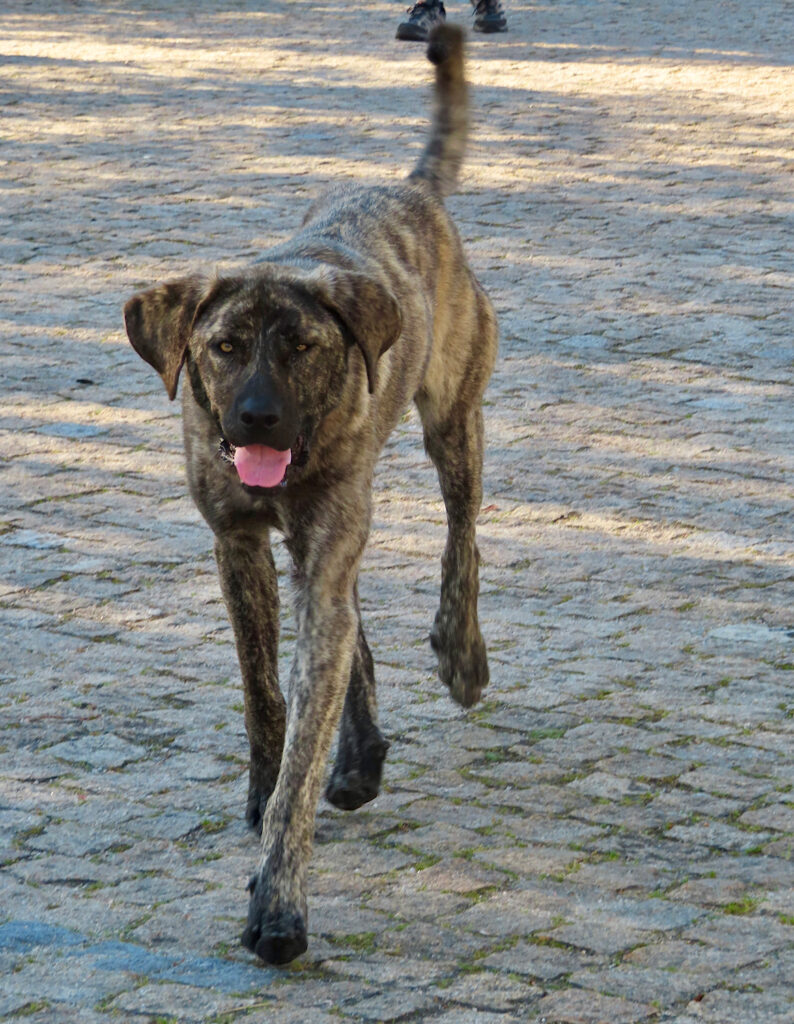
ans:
(298, 369)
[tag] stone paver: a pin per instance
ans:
(610, 836)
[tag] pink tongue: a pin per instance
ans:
(260, 466)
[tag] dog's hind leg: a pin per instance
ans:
(362, 749)
(456, 450)
(250, 590)
(450, 404)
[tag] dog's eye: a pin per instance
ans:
(226, 346)
(301, 348)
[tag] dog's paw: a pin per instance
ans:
(356, 776)
(351, 790)
(462, 664)
(277, 940)
(276, 937)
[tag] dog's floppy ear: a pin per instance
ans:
(159, 321)
(366, 308)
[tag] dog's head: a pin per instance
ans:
(267, 352)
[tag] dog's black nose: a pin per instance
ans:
(263, 412)
(254, 412)
(259, 411)
(261, 415)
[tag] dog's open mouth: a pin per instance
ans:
(261, 467)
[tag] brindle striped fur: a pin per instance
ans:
(376, 283)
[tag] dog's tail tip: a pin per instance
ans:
(444, 43)
(439, 164)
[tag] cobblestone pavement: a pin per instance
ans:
(608, 838)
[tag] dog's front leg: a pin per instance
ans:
(250, 590)
(327, 630)
(362, 747)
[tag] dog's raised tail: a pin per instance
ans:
(440, 163)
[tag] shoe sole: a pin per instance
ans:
(412, 34)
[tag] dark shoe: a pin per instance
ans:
(421, 18)
(489, 16)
